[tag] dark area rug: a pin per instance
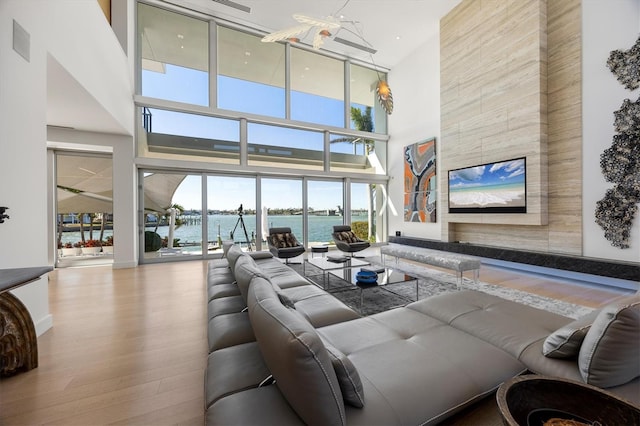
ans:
(430, 282)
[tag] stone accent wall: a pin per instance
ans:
(510, 87)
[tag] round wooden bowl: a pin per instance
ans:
(519, 397)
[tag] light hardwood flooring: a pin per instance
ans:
(129, 346)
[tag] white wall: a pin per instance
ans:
(23, 161)
(416, 90)
(606, 25)
(415, 84)
(58, 28)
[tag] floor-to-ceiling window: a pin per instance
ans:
(251, 74)
(287, 126)
(326, 209)
(317, 88)
(291, 148)
(174, 55)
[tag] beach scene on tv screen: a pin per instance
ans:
(491, 185)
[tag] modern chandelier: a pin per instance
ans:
(328, 27)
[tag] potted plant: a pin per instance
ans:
(91, 247)
(107, 245)
(67, 249)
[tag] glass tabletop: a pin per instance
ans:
(326, 263)
(385, 276)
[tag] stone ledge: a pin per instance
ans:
(606, 268)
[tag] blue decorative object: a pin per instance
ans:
(366, 277)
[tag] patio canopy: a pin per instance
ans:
(85, 185)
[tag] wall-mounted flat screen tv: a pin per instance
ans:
(499, 187)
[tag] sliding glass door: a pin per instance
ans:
(231, 211)
(184, 213)
(282, 205)
(172, 215)
(326, 208)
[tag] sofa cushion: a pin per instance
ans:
(257, 255)
(262, 406)
(245, 269)
(348, 377)
(565, 342)
(233, 254)
(228, 330)
(296, 357)
(226, 245)
(610, 353)
(243, 369)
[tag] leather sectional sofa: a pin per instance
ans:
(283, 351)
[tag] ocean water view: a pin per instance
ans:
(320, 228)
(488, 195)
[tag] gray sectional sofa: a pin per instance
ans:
(283, 351)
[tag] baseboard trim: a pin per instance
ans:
(124, 265)
(43, 325)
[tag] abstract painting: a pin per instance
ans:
(420, 182)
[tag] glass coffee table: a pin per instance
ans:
(331, 263)
(387, 277)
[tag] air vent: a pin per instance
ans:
(356, 45)
(234, 5)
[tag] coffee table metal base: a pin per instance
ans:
(386, 277)
(325, 265)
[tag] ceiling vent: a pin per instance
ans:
(355, 45)
(234, 5)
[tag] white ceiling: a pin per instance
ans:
(395, 28)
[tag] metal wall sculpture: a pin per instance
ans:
(620, 163)
(420, 182)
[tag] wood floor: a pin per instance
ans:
(129, 346)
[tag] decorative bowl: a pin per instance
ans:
(366, 277)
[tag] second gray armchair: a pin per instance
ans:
(347, 241)
(283, 244)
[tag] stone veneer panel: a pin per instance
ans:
(564, 85)
(498, 103)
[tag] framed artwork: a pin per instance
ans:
(420, 192)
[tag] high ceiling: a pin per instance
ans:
(394, 28)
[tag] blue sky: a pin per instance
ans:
(191, 86)
(503, 173)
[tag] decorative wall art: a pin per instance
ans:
(420, 182)
(620, 163)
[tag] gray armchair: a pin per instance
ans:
(283, 244)
(347, 241)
